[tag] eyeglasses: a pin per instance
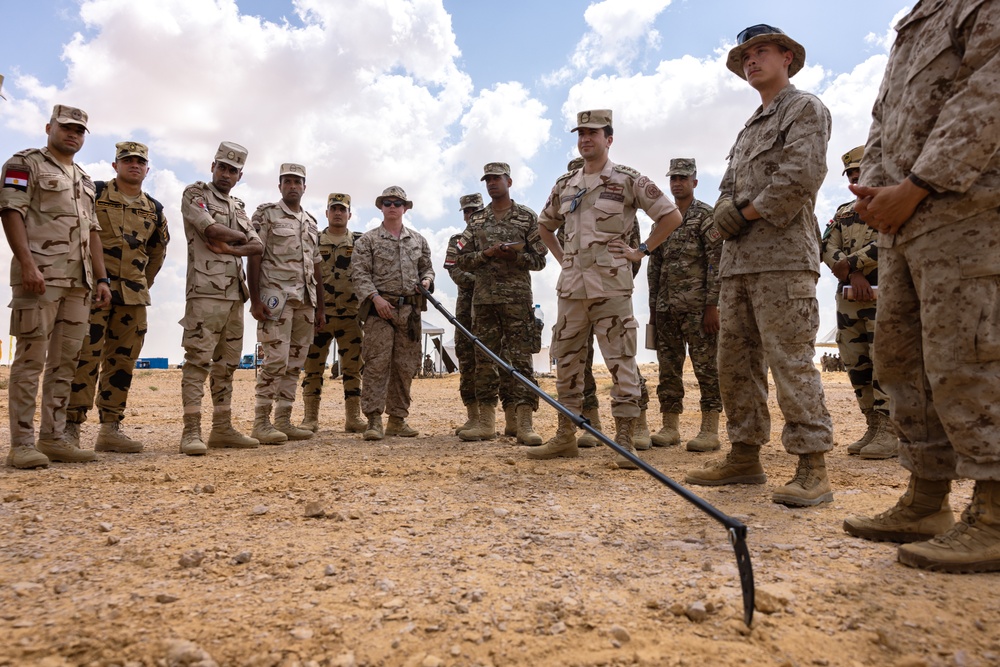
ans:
(576, 200)
(393, 203)
(754, 30)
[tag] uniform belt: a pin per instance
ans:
(401, 299)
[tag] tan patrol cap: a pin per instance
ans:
(496, 169)
(1, 87)
(394, 192)
(574, 164)
(292, 169)
(232, 154)
(338, 199)
(682, 166)
(69, 115)
(124, 149)
(852, 159)
(470, 201)
(595, 118)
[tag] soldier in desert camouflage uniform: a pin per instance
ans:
(134, 237)
(930, 183)
(336, 245)
(768, 272)
(500, 247)
(684, 305)
(283, 300)
(47, 207)
(218, 234)
(849, 250)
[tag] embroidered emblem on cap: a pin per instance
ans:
(231, 155)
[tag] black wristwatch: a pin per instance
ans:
(106, 281)
(643, 249)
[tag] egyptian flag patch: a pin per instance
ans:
(17, 178)
(459, 245)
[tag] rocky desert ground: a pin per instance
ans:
(429, 552)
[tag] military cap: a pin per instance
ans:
(574, 164)
(470, 201)
(394, 192)
(124, 149)
(852, 159)
(69, 115)
(292, 169)
(232, 154)
(760, 33)
(496, 169)
(682, 166)
(338, 199)
(595, 118)
(1, 88)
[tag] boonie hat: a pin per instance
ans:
(496, 169)
(595, 119)
(232, 154)
(125, 149)
(69, 115)
(470, 201)
(338, 199)
(852, 159)
(682, 166)
(757, 34)
(394, 192)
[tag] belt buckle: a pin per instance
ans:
(401, 301)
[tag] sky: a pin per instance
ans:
(420, 94)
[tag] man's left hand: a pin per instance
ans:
(102, 296)
(710, 321)
(888, 208)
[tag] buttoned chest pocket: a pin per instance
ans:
(763, 142)
(609, 216)
(57, 194)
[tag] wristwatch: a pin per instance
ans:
(106, 281)
(643, 249)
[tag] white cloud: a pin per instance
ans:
(886, 39)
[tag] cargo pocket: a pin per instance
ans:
(801, 312)
(25, 318)
(979, 326)
(623, 338)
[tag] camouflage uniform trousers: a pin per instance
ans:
(590, 400)
(770, 320)
(213, 343)
(391, 360)
(855, 340)
(674, 331)
(284, 343)
(937, 353)
(610, 318)
(109, 350)
(465, 349)
(508, 330)
(50, 329)
(347, 331)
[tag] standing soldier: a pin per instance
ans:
(768, 272)
(464, 348)
(500, 247)
(134, 236)
(336, 245)
(598, 205)
(218, 234)
(283, 300)
(684, 305)
(47, 207)
(388, 263)
(849, 250)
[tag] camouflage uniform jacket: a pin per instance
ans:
(936, 114)
(683, 272)
(589, 270)
(339, 298)
(465, 281)
(384, 264)
(135, 242)
(497, 280)
(847, 237)
(291, 251)
(58, 209)
(212, 275)
(778, 164)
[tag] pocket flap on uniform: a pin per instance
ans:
(801, 290)
(979, 266)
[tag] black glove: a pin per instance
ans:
(728, 220)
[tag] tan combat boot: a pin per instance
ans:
(283, 422)
(855, 447)
(884, 444)
(525, 429)
(62, 450)
(485, 428)
(263, 430)
(971, 545)
(374, 430)
(641, 438)
(594, 416)
(740, 466)
(398, 426)
(809, 487)
(310, 415)
(510, 421)
(669, 435)
(920, 514)
(111, 439)
(353, 422)
(471, 418)
(223, 434)
(191, 442)
(562, 444)
(72, 433)
(26, 456)
(624, 428)
(707, 439)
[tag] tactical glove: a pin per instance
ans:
(728, 220)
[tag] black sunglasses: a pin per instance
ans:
(760, 29)
(393, 203)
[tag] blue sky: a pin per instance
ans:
(418, 93)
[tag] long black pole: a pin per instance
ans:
(736, 529)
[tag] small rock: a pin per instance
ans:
(60, 588)
(677, 609)
(620, 633)
(501, 512)
(432, 661)
(12, 498)
(395, 603)
(166, 598)
(455, 651)
(105, 527)
(181, 653)
(169, 477)
(329, 571)
(191, 558)
(259, 510)
(344, 660)
(314, 510)
(696, 611)
(208, 488)
(557, 628)
(302, 633)
(113, 540)
(770, 599)
(242, 557)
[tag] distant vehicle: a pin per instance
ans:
(248, 361)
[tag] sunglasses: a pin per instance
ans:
(393, 203)
(760, 29)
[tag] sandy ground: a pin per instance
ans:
(430, 551)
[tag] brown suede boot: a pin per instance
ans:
(640, 435)
(191, 442)
(525, 429)
(624, 430)
(594, 416)
(510, 421)
(809, 487)
(283, 422)
(485, 428)
(111, 439)
(263, 430)
(25, 457)
(374, 430)
(740, 466)
(884, 444)
(707, 439)
(60, 450)
(920, 514)
(563, 444)
(472, 418)
(669, 434)
(398, 426)
(353, 422)
(310, 417)
(855, 447)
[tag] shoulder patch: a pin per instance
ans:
(844, 211)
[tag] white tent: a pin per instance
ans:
(829, 340)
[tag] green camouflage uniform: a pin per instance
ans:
(464, 348)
